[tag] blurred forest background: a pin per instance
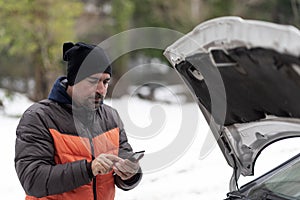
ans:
(32, 32)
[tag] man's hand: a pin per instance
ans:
(103, 164)
(126, 169)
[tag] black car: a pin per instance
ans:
(245, 77)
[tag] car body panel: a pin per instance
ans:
(271, 185)
(245, 77)
(231, 32)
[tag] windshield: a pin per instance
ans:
(285, 184)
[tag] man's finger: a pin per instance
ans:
(134, 165)
(119, 173)
(129, 169)
(113, 158)
(126, 169)
(105, 162)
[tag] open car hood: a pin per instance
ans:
(245, 76)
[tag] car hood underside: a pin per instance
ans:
(247, 89)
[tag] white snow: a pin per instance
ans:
(186, 177)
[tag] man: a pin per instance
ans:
(71, 145)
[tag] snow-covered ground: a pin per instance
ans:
(186, 175)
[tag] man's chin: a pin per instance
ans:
(93, 104)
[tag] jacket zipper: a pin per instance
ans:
(94, 179)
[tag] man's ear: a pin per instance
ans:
(69, 90)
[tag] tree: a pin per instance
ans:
(35, 30)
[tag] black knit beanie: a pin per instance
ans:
(84, 60)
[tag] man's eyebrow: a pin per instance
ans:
(97, 79)
(93, 78)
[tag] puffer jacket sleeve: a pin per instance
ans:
(34, 160)
(125, 150)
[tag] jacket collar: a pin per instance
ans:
(58, 92)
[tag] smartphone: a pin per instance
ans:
(136, 156)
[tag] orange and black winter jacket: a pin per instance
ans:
(55, 143)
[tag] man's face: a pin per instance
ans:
(90, 92)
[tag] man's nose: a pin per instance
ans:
(100, 88)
